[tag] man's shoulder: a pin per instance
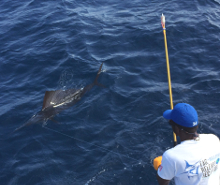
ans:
(208, 137)
(204, 138)
(170, 153)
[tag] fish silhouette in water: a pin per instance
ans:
(59, 100)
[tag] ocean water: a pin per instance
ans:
(112, 134)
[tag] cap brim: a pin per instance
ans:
(167, 114)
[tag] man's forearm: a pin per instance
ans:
(162, 181)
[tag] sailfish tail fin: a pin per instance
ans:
(97, 76)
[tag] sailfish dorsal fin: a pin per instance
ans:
(47, 99)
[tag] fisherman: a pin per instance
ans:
(196, 159)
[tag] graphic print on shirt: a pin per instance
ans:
(207, 166)
(192, 170)
(160, 168)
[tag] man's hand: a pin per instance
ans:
(157, 162)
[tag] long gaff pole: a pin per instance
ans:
(168, 69)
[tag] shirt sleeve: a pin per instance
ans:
(167, 168)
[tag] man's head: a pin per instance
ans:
(183, 114)
(183, 119)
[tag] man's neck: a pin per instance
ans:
(185, 137)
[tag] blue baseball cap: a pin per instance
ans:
(183, 114)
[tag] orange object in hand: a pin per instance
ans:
(157, 162)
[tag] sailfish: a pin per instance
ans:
(56, 101)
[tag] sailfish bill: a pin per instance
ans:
(59, 100)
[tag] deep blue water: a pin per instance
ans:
(112, 135)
